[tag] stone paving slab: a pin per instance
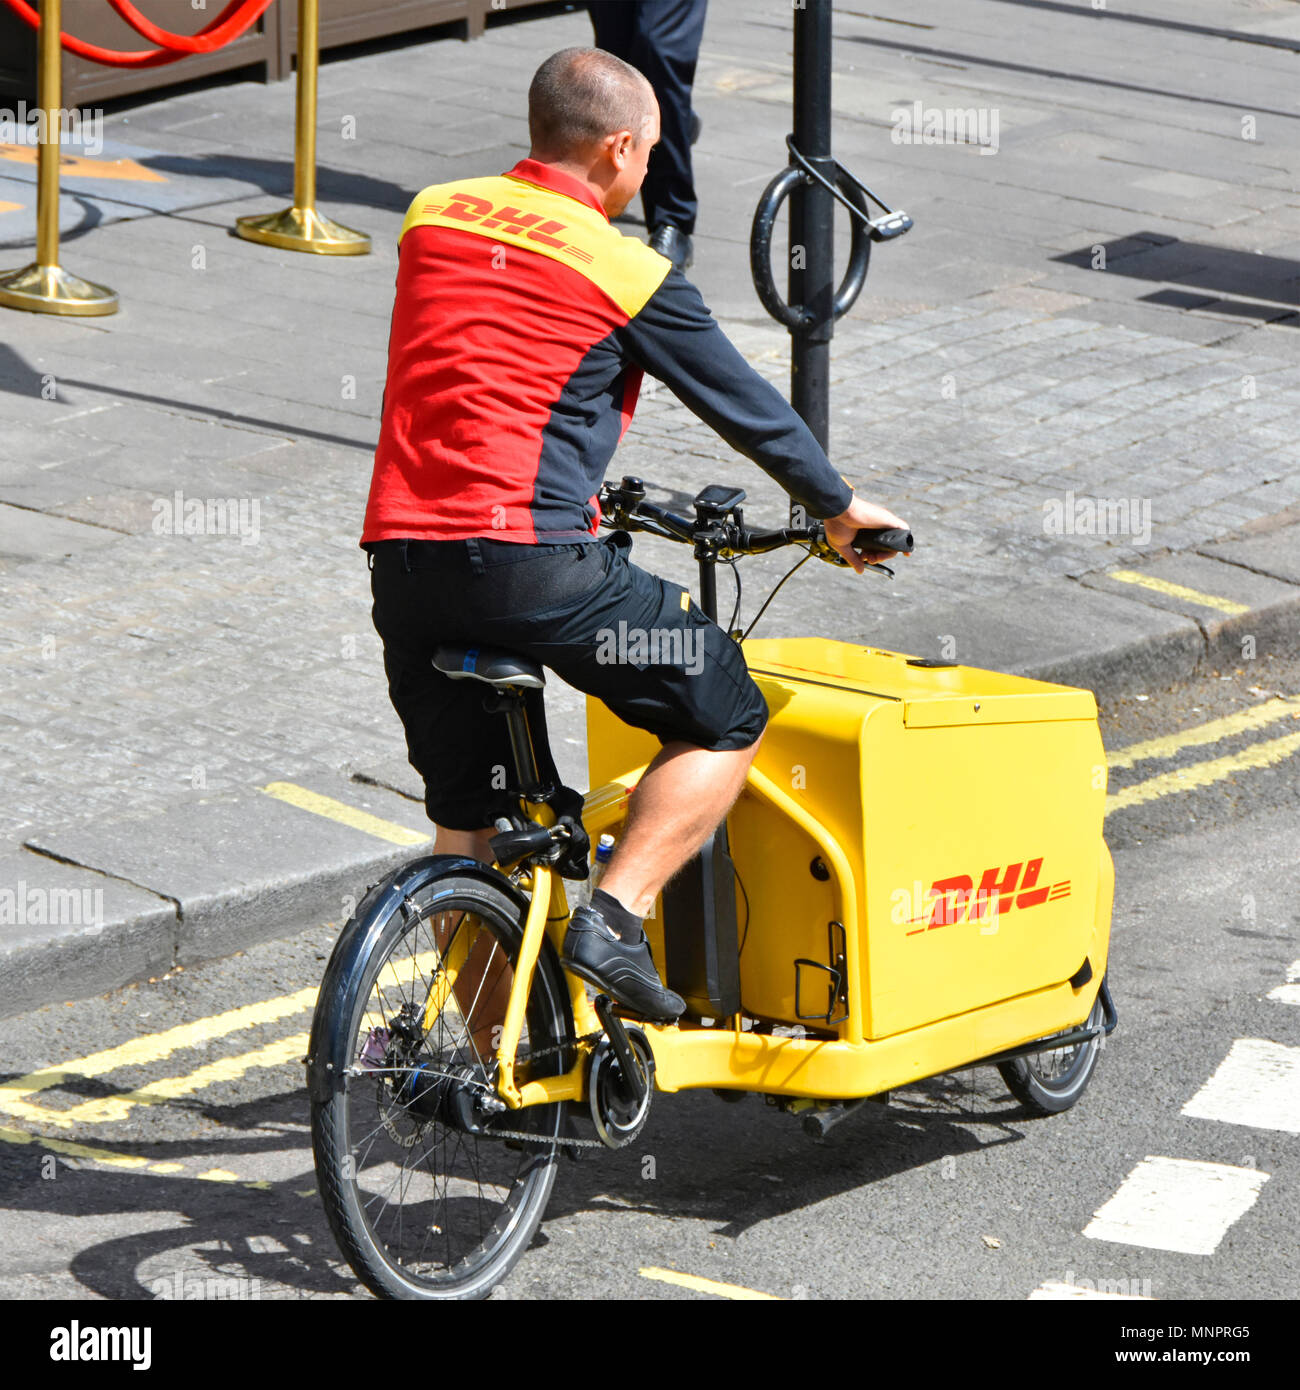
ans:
(1276, 554)
(67, 932)
(242, 869)
(1110, 644)
(28, 535)
(1237, 609)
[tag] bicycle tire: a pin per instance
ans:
(420, 1257)
(1049, 1087)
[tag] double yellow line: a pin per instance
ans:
(1216, 769)
(16, 1095)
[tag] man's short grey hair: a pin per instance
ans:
(580, 95)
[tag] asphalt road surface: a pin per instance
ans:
(176, 1162)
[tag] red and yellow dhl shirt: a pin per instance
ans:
(521, 327)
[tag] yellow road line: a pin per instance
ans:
(151, 1048)
(1204, 774)
(1212, 732)
(693, 1281)
(344, 814)
(1163, 586)
(62, 1146)
(112, 1159)
(15, 1094)
(107, 1109)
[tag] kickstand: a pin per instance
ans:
(819, 1123)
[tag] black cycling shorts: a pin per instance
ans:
(607, 627)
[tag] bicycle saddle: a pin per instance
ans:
(491, 665)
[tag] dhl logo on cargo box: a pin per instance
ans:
(957, 899)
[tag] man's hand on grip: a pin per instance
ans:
(840, 531)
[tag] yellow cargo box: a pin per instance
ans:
(931, 831)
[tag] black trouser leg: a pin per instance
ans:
(661, 38)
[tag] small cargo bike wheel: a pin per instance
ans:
(1047, 1082)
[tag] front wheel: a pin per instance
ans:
(1050, 1081)
(424, 1201)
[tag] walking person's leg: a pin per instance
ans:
(661, 39)
(666, 49)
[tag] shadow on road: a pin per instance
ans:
(1215, 271)
(730, 1166)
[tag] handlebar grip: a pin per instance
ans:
(883, 540)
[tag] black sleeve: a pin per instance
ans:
(676, 339)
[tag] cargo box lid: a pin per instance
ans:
(933, 694)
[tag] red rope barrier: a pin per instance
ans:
(242, 13)
(228, 25)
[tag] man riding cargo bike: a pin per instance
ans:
(472, 1026)
(522, 325)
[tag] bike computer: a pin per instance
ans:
(717, 500)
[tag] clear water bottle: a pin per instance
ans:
(604, 849)
(581, 892)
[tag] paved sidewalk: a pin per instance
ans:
(1102, 466)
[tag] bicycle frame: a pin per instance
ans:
(548, 915)
(864, 1052)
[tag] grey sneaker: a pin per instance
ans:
(623, 970)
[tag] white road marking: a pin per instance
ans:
(1052, 1290)
(1257, 1084)
(1177, 1204)
(1288, 993)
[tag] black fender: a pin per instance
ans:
(325, 1067)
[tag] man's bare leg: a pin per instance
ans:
(482, 987)
(680, 801)
(473, 844)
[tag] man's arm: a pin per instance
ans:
(676, 339)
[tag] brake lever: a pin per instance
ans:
(824, 550)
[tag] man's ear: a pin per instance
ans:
(620, 146)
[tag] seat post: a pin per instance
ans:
(515, 707)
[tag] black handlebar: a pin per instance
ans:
(626, 506)
(883, 540)
(719, 535)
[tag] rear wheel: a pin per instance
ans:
(424, 1201)
(1050, 1081)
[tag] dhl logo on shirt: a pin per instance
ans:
(465, 207)
(514, 212)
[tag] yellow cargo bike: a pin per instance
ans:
(826, 956)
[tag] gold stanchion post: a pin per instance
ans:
(44, 287)
(301, 227)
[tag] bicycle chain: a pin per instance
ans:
(569, 1143)
(572, 1142)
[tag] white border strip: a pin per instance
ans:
(1257, 1084)
(1177, 1204)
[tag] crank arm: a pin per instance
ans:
(622, 1046)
